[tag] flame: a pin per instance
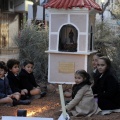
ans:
(40, 110)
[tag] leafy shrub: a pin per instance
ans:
(32, 43)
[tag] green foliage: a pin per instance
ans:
(103, 34)
(108, 43)
(32, 43)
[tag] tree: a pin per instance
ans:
(116, 11)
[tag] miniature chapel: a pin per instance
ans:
(71, 38)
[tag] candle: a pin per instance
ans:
(21, 112)
(62, 101)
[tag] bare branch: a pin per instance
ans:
(104, 6)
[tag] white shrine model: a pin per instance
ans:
(71, 36)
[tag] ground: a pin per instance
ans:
(48, 107)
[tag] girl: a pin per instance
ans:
(95, 60)
(83, 102)
(95, 72)
(94, 64)
(106, 87)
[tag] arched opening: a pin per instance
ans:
(68, 38)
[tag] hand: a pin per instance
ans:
(9, 96)
(17, 97)
(22, 92)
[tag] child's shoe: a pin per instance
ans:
(24, 102)
(21, 102)
(116, 110)
(42, 94)
(106, 112)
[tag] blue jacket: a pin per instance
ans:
(4, 88)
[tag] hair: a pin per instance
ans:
(12, 62)
(26, 62)
(3, 66)
(99, 54)
(83, 74)
(107, 61)
(2, 62)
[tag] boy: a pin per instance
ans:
(27, 79)
(6, 95)
(13, 70)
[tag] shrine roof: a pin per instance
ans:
(69, 4)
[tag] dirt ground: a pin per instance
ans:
(48, 107)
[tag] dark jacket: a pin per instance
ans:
(27, 80)
(107, 88)
(4, 88)
(14, 82)
(95, 74)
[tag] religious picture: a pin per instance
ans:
(71, 35)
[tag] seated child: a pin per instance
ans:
(6, 95)
(27, 79)
(14, 82)
(106, 87)
(95, 71)
(83, 102)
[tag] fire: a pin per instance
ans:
(37, 110)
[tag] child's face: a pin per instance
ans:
(101, 66)
(95, 61)
(2, 72)
(15, 69)
(78, 79)
(29, 68)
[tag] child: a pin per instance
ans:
(106, 88)
(94, 63)
(28, 81)
(95, 60)
(13, 70)
(83, 102)
(6, 95)
(95, 72)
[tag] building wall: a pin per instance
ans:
(13, 29)
(4, 28)
(79, 21)
(63, 66)
(9, 26)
